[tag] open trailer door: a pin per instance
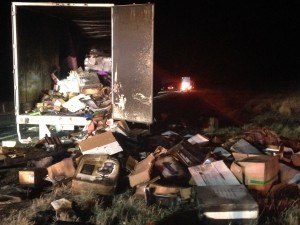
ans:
(132, 56)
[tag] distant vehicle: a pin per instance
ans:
(169, 87)
(186, 84)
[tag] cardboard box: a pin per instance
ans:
(97, 173)
(131, 163)
(226, 202)
(257, 172)
(32, 177)
(63, 168)
(104, 143)
(142, 171)
(170, 168)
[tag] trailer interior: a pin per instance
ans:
(57, 38)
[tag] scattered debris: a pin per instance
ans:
(166, 169)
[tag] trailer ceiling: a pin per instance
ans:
(92, 22)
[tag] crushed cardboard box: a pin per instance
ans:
(190, 154)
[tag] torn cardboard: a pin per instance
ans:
(190, 154)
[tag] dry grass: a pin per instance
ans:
(91, 209)
(279, 113)
(125, 209)
(280, 212)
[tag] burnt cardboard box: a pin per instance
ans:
(142, 171)
(98, 173)
(104, 143)
(162, 195)
(32, 177)
(257, 172)
(170, 168)
(225, 202)
(154, 193)
(190, 154)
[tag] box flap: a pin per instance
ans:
(243, 146)
(104, 143)
(198, 139)
(141, 172)
(240, 156)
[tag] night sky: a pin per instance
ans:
(233, 44)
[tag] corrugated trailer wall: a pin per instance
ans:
(38, 44)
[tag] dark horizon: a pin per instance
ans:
(231, 44)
